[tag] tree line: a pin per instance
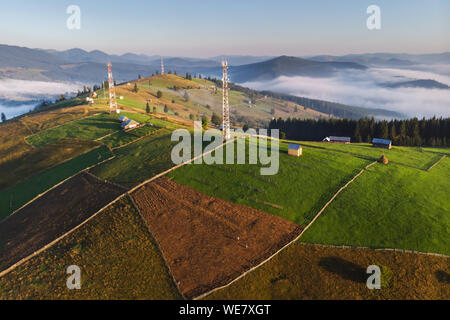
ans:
(408, 132)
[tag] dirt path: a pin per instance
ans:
(437, 162)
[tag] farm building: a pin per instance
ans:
(338, 139)
(123, 119)
(382, 143)
(295, 150)
(129, 124)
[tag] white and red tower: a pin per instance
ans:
(112, 91)
(226, 107)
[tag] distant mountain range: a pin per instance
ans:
(427, 84)
(77, 65)
(387, 59)
(288, 66)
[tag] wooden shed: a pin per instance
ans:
(295, 150)
(340, 139)
(382, 143)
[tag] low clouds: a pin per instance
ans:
(19, 96)
(362, 88)
(22, 90)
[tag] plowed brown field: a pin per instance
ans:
(52, 215)
(207, 242)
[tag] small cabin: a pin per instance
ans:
(340, 139)
(382, 143)
(129, 124)
(295, 150)
(123, 119)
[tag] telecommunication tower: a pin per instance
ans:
(226, 106)
(162, 66)
(112, 91)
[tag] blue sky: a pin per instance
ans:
(203, 28)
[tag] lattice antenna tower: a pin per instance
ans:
(226, 105)
(162, 66)
(112, 91)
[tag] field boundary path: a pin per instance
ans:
(126, 194)
(375, 249)
(159, 247)
(293, 241)
(437, 162)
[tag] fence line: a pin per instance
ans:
(376, 249)
(437, 162)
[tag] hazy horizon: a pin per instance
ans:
(208, 29)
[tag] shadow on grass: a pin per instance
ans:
(345, 269)
(442, 276)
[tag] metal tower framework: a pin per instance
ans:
(226, 106)
(112, 91)
(162, 66)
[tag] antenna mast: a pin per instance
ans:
(112, 91)
(226, 106)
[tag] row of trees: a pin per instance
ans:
(409, 132)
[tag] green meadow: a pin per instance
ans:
(299, 190)
(390, 206)
(407, 156)
(90, 128)
(139, 161)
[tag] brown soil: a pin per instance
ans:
(52, 215)
(207, 242)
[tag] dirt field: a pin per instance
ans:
(305, 271)
(52, 215)
(207, 242)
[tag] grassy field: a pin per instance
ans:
(13, 132)
(390, 206)
(40, 159)
(85, 129)
(18, 195)
(122, 138)
(301, 187)
(139, 161)
(408, 156)
(117, 256)
(316, 272)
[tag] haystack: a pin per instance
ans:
(383, 160)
